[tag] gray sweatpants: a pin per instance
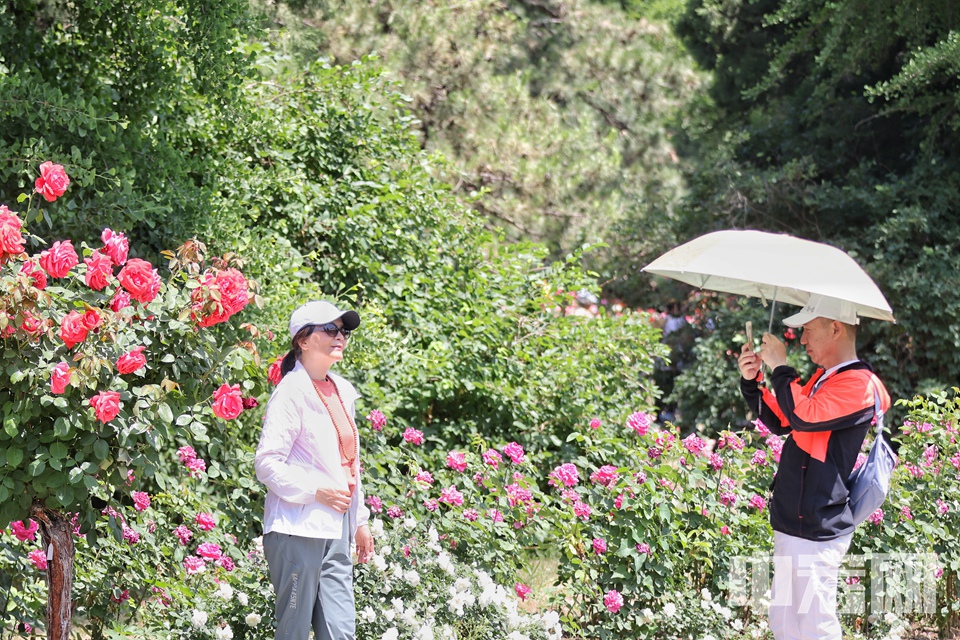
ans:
(313, 579)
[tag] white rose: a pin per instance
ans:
(376, 527)
(252, 619)
(669, 609)
(410, 523)
(199, 618)
(224, 591)
(242, 598)
(390, 634)
(412, 577)
(224, 633)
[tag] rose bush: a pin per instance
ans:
(101, 372)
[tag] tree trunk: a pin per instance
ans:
(58, 546)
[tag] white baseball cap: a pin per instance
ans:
(823, 307)
(321, 312)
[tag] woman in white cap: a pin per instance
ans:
(308, 458)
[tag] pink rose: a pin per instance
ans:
(599, 546)
(471, 514)
(106, 405)
(377, 420)
(457, 460)
(515, 452)
(38, 558)
(205, 521)
(228, 402)
(53, 181)
(209, 551)
(493, 458)
(120, 300)
(131, 361)
(130, 535)
(99, 268)
(639, 422)
(31, 269)
(566, 474)
(186, 453)
(595, 424)
(140, 279)
(183, 534)
(141, 500)
(613, 601)
(193, 564)
(59, 259)
(413, 436)
(116, 246)
(226, 562)
(11, 238)
(73, 330)
(24, 532)
(522, 590)
(32, 325)
(375, 504)
(451, 496)
(60, 378)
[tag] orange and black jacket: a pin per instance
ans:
(827, 426)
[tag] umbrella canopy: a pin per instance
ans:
(774, 267)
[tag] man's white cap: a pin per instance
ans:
(321, 312)
(823, 307)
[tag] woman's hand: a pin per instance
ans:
(749, 363)
(336, 499)
(364, 544)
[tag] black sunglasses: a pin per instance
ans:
(332, 330)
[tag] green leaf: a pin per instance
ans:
(58, 451)
(101, 449)
(165, 413)
(14, 456)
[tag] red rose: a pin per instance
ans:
(106, 405)
(227, 402)
(99, 268)
(115, 245)
(140, 279)
(120, 300)
(131, 361)
(11, 239)
(60, 378)
(73, 330)
(53, 181)
(31, 324)
(233, 290)
(91, 319)
(59, 259)
(32, 270)
(273, 373)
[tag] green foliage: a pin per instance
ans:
(556, 112)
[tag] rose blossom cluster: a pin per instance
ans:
(189, 459)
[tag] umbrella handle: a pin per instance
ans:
(773, 307)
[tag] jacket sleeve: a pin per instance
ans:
(764, 406)
(281, 426)
(844, 400)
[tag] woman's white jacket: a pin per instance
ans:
(299, 452)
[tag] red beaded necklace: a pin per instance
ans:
(356, 434)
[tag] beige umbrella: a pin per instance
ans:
(773, 267)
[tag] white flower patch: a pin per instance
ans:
(669, 609)
(242, 598)
(368, 614)
(253, 619)
(412, 577)
(224, 632)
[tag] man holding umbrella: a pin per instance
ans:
(827, 419)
